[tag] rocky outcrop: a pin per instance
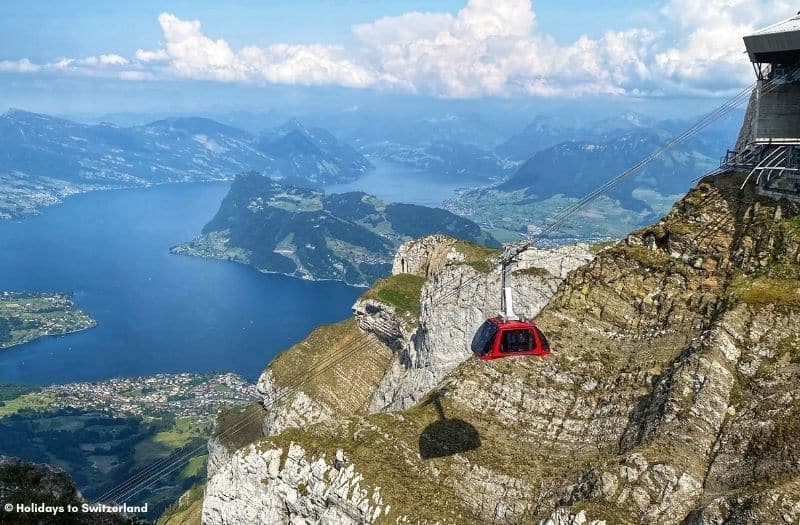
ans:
(426, 256)
(455, 300)
(400, 359)
(670, 397)
(269, 485)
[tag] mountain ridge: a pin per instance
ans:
(668, 397)
(44, 158)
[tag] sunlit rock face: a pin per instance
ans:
(670, 396)
(454, 302)
(265, 486)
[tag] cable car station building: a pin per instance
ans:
(768, 148)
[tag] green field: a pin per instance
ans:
(100, 451)
(32, 401)
(509, 215)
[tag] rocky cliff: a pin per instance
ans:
(670, 397)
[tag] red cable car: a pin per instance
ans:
(499, 337)
(507, 335)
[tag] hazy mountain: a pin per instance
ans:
(303, 232)
(573, 169)
(547, 131)
(558, 175)
(312, 155)
(64, 157)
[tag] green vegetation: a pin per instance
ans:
(782, 440)
(101, 451)
(534, 272)
(598, 247)
(479, 257)
(507, 214)
(183, 431)
(34, 401)
(28, 316)
(25, 483)
(13, 391)
(794, 225)
(790, 346)
(248, 422)
(653, 259)
(196, 467)
(186, 511)
(401, 291)
(764, 291)
(350, 236)
(342, 365)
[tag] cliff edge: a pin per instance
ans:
(670, 396)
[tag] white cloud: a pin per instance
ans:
(151, 56)
(135, 75)
(709, 52)
(191, 54)
(488, 48)
(112, 60)
(19, 66)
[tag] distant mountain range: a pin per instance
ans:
(573, 169)
(547, 131)
(64, 157)
(306, 233)
(555, 175)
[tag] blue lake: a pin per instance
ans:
(395, 183)
(156, 312)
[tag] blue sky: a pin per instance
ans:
(96, 54)
(43, 30)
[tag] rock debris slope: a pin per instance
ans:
(671, 395)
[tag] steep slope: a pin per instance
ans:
(670, 397)
(306, 233)
(547, 131)
(573, 169)
(383, 360)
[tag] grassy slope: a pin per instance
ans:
(401, 291)
(186, 511)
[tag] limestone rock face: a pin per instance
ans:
(299, 411)
(426, 256)
(455, 301)
(272, 486)
(670, 397)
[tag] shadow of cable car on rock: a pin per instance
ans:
(446, 437)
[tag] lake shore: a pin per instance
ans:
(26, 317)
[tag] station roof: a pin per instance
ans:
(774, 42)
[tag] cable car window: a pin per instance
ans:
(543, 339)
(516, 341)
(484, 338)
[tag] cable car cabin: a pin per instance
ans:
(505, 338)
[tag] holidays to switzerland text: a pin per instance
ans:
(85, 508)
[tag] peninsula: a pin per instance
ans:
(27, 316)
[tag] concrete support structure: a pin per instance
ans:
(768, 148)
